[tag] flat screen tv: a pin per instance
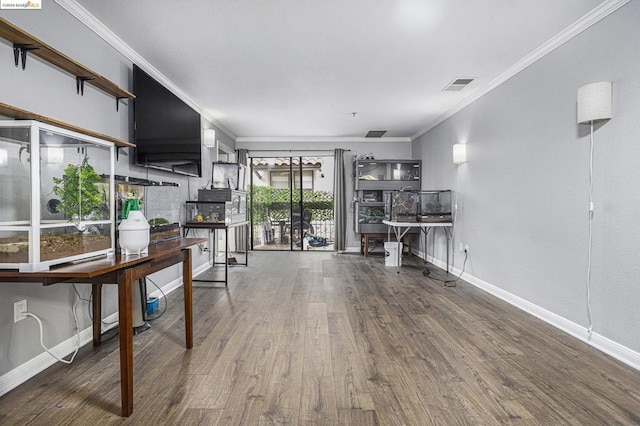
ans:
(167, 131)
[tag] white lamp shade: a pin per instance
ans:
(594, 102)
(209, 138)
(459, 153)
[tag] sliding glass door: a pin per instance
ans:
(291, 202)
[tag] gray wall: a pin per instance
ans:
(381, 150)
(523, 194)
(46, 90)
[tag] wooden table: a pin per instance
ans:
(123, 271)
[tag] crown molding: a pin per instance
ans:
(318, 139)
(582, 24)
(91, 22)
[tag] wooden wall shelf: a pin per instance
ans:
(21, 114)
(24, 42)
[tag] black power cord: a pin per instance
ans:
(453, 283)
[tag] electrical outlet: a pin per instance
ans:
(19, 310)
(466, 248)
(463, 247)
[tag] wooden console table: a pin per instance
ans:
(123, 271)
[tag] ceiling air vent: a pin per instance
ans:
(375, 133)
(457, 84)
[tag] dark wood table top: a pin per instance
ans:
(91, 268)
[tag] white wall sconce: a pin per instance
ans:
(459, 153)
(209, 139)
(53, 155)
(594, 102)
(4, 158)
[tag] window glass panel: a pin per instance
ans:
(280, 179)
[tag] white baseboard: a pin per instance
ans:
(25, 371)
(598, 341)
(41, 362)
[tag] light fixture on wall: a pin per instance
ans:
(459, 153)
(594, 105)
(594, 102)
(53, 155)
(209, 139)
(4, 158)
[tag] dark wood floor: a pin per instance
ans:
(318, 338)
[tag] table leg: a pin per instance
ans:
(246, 245)
(399, 250)
(226, 254)
(366, 245)
(125, 329)
(188, 298)
(446, 232)
(96, 305)
(425, 232)
(213, 246)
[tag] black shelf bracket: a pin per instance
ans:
(80, 84)
(20, 52)
(118, 101)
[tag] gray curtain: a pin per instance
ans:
(241, 233)
(339, 201)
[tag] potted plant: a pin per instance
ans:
(80, 197)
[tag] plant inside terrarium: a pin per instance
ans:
(80, 197)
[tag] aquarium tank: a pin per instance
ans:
(53, 208)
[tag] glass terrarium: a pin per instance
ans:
(435, 206)
(158, 201)
(206, 213)
(402, 206)
(372, 196)
(225, 175)
(53, 208)
(370, 217)
(162, 210)
(224, 206)
(236, 210)
(387, 174)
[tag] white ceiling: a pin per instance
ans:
(300, 68)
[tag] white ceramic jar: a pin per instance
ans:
(134, 234)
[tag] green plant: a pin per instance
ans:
(79, 195)
(274, 204)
